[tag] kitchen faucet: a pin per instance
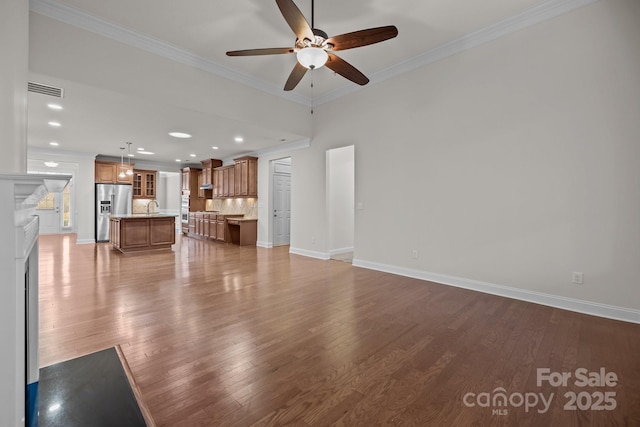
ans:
(149, 204)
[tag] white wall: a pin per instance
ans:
(340, 199)
(14, 45)
(514, 163)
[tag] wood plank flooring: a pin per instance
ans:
(221, 335)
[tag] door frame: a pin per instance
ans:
(272, 173)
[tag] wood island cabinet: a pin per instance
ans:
(139, 233)
(144, 184)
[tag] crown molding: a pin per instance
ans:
(72, 16)
(276, 149)
(541, 12)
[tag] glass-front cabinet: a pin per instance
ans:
(144, 184)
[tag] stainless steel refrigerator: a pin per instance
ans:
(111, 199)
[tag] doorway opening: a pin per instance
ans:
(57, 210)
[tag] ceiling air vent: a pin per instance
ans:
(45, 89)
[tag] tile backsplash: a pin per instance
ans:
(246, 206)
(139, 206)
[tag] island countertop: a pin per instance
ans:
(143, 215)
(142, 232)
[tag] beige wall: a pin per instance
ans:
(514, 163)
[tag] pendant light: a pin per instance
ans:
(129, 170)
(122, 174)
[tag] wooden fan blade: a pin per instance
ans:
(363, 37)
(346, 70)
(295, 19)
(266, 51)
(296, 75)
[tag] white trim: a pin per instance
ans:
(85, 241)
(571, 304)
(534, 15)
(267, 245)
(311, 254)
(340, 251)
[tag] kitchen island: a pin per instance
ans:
(141, 232)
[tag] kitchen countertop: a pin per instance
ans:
(151, 215)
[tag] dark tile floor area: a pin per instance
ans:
(90, 391)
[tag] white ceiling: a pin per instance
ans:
(204, 30)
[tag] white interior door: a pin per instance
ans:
(281, 209)
(49, 210)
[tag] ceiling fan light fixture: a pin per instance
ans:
(312, 57)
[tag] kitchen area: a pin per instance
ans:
(219, 203)
(143, 209)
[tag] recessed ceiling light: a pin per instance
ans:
(55, 106)
(146, 152)
(192, 155)
(51, 164)
(178, 160)
(238, 139)
(215, 148)
(131, 155)
(54, 124)
(179, 135)
(140, 149)
(54, 144)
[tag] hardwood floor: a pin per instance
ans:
(218, 335)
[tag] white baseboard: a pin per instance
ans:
(571, 304)
(85, 241)
(310, 254)
(267, 245)
(340, 251)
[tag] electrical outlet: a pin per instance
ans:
(414, 254)
(577, 277)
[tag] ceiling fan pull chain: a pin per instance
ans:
(311, 92)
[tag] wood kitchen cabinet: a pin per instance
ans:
(139, 233)
(201, 191)
(144, 184)
(224, 182)
(246, 176)
(217, 182)
(237, 180)
(206, 178)
(109, 173)
(190, 181)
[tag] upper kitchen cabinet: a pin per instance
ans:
(144, 184)
(224, 181)
(246, 176)
(206, 179)
(109, 173)
(237, 180)
(190, 181)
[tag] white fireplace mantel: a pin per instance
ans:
(19, 195)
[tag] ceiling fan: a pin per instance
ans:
(314, 48)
